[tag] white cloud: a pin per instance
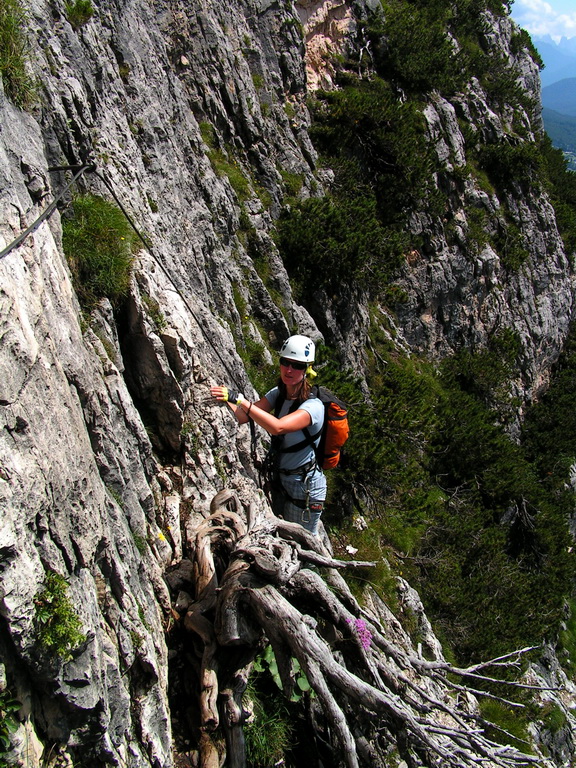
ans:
(569, 23)
(540, 18)
(538, 7)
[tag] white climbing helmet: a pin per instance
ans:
(299, 348)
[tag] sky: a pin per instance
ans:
(556, 18)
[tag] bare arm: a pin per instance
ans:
(260, 413)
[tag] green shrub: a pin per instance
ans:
(258, 81)
(156, 313)
(266, 663)
(507, 164)
(19, 86)
(292, 182)
(374, 140)
(8, 724)
(327, 243)
(412, 46)
(383, 168)
(554, 718)
(500, 541)
(510, 244)
(562, 184)
(79, 12)
(549, 431)
(452, 501)
(467, 513)
(507, 719)
(58, 625)
(566, 649)
(417, 51)
(387, 436)
(99, 244)
(208, 134)
(521, 40)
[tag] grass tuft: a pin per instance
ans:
(99, 244)
(19, 86)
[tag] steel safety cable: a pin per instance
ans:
(91, 168)
(166, 273)
(81, 169)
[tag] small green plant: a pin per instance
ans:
(124, 71)
(116, 495)
(292, 182)
(511, 247)
(477, 235)
(191, 437)
(208, 134)
(19, 86)
(139, 542)
(137, 639)
(224, 166)
(258, 81)
(554, 717)
(79, 12)
(220, 466)
(107, 344)
(142, 617)
(99, 244)
(266, 662)
(58, 625)
(514, 726)
(8, 723)
(268, 736)
(156, 313)
(187, 429)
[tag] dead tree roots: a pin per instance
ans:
(260, 581)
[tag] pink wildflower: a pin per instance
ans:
(364, 634)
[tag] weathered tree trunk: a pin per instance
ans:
(255, 586)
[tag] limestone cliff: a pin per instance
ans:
(109, 449)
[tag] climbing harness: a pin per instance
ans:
(269, 474)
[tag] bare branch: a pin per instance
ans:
(365, 680)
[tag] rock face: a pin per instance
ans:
(459, 293)
(109, 450)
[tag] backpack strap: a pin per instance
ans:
(309, 438)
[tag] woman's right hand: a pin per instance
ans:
(219, 393)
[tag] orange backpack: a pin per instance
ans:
(335, 429)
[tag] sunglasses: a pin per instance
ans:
(292, 364)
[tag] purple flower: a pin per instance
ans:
(364, 634)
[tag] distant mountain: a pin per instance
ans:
(562, 132)
(561, 96)
(559, 58)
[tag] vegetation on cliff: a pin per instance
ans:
(99, 244)
(450, 498)
(14, 49)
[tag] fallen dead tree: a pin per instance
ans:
(262, 580)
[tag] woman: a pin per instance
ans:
(294, 419)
